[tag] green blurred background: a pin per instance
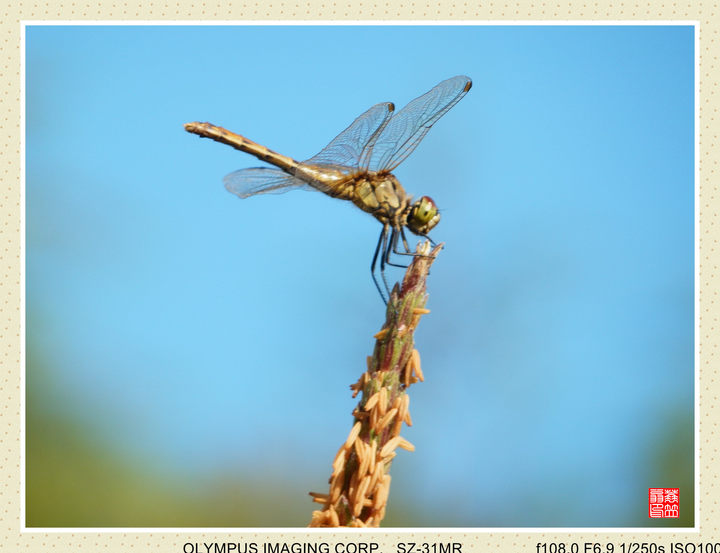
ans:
(77, 477)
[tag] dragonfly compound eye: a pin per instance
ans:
(423, 216)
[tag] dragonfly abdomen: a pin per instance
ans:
(219, 134)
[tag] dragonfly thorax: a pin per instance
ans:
(381, 195)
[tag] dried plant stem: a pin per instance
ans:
(360, 481)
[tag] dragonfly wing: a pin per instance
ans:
(346, 148)
(408, 127)
(261, 180)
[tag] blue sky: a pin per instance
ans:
(199, 330)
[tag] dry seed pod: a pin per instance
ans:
(360, 483)
(353, 435)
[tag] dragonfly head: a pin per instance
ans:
(423, 216)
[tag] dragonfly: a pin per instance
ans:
(357, 166)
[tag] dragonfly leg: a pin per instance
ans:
(406, 246)
(386, 245)
(392, 248)
(381, 243)
(405, 242)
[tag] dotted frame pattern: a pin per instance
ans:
(706, 13)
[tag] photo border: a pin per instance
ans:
(14, 263)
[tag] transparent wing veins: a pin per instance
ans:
(261, 180)
(376, 140)
(345, 151)
(406, 129)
